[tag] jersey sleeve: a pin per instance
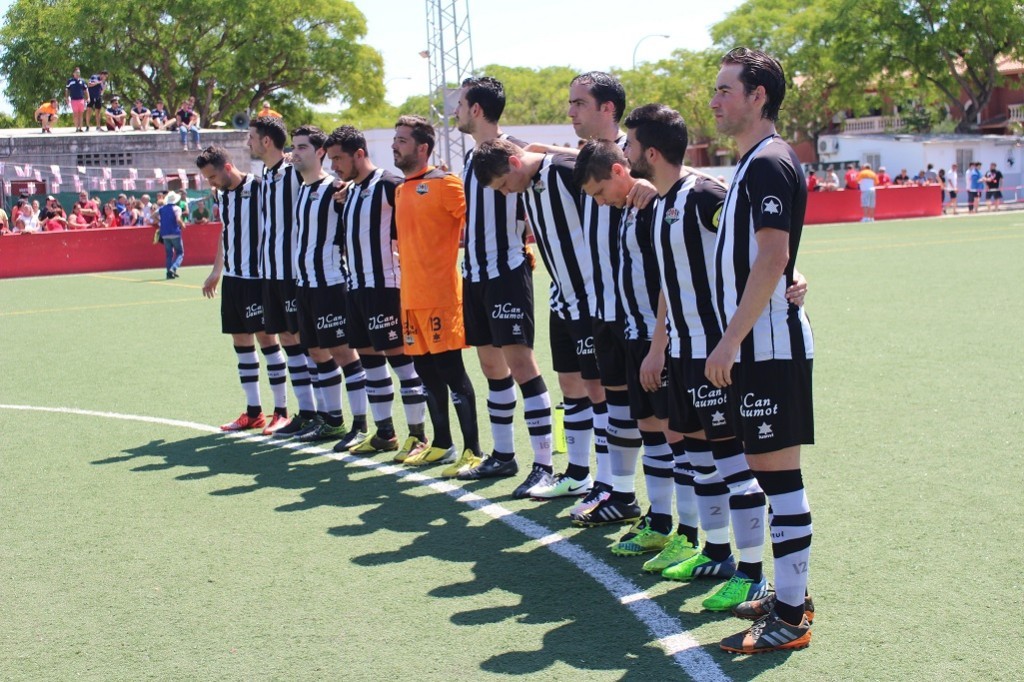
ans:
(708, 198)
(391, 184)
(771, 183)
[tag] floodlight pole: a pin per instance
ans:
(450, 55)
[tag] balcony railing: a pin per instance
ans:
(872, 124)
(1017, 112)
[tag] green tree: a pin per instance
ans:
(930, 53)
(230, 55)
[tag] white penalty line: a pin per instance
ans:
(673, 639)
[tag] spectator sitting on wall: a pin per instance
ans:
(902, 178)
(159, 118)
(115, 116)
(883, 178)
(201, 214)
(141, 116)
(831, 183)
(46, 115)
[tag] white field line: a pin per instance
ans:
(668, 631)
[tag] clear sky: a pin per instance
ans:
(585, 34)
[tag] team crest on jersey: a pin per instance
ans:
(314, 195)
(422, 188)
(539, 186)
(672, 215)
(246, 194)
(771, 205)
(631, 217)
(365, 194)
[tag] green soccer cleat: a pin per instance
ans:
(467, 460)
(737, 590)
(322, 432)
(641, 539)
(677, 550)
(700, 566)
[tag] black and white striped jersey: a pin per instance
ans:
(240, 216)
(368, 232)
(319, 261)
(278, 194)
(639, 281)
(495, 231)
(768, 191)
(553, 207)
(685, 228)
(602, 223)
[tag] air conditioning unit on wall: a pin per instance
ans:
(828, 145)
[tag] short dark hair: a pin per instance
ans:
(489, 93)
(490, 160)
(604, 87)
(213, 155)
(316, 136)
(760, 68)
(660, 127)
(595, 161)
(272, 127)
(349, 138)
(422, 131)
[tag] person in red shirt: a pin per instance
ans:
(812, 182)
(90, 209)
(851, 177)
(883, 178)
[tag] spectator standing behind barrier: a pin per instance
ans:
(952, 178)
(267, 111)
(975, 185)
(171, 224)
(46, 115)
(5, 222)
(76, 91)
(831, 183)
(994, 186)
(201, 214)
(76, 221)
(930, 177)
(850, 177)
(901, 179)
(866, 180)
(812, 182)
(97, 84)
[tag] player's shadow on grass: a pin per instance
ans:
(586, 627)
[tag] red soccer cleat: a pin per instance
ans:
(278, 421)
(245, 422)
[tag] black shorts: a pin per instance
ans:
(610, 350)
(696, 404)
(95, 103)
(952, 194)
(499, 312)
(643, 403)
(374, 318)
(994, 194)
(280, 307)
(972, 195)
(241, 306)
(322, 316)
(572, 346)
(772, 404)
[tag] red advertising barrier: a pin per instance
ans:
(890, 203)
(102, 250)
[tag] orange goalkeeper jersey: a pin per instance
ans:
(430, 210)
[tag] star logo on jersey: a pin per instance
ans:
(539, 186)
(718, 418)
(392, 335)
(516, 330)
(422, 188)
(672, 215)
(771, 205)
(764, 430)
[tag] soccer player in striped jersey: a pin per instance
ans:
(373, 324)
(554, 209)
(241, 309)
(430, 211)
(497, 301)
(279, 189)
(685, 224)
(321, 275)
(765, 355)
(597, 101)
(603, 172)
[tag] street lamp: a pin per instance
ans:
(652, 35)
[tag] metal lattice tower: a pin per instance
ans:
(451, 61)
